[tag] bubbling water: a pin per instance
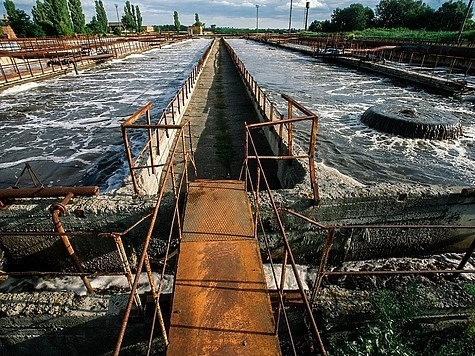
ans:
(339, 96)
(68, 127)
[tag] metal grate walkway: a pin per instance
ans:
(221, 305)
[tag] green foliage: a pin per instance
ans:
(354, 17)
(197, 20)
(315, 26)
(176, 21)
(394, 332)
(128, 19)
(42, 16)
(403, 34)
(53, 17)
(20, 22)
(61, 18)
(393, 14)
(101, 27)
(411, 14)
(138, 15)
(77, 16)
(117, 31)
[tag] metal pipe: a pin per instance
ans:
(126, 266)
(46, 192)
(58, 210)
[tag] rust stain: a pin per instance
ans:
(221, 302)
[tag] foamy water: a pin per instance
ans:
(68, 127)
(339, 96)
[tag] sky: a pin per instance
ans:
(223, 13)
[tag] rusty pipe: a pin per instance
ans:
(58, 210)
(41, 192)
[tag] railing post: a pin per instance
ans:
(150, 142)
(130, 159)
(290, 128)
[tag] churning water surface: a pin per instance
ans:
(68, 127)
(339, 96)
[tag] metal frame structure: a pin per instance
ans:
(32, 58)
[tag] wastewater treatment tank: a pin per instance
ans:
(413, 120)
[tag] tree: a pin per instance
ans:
(61, 19)
(128, 19)
(354, 17)
(77, 16)
(197, 20)
(101, 17)
(42, 16)
(403, 13)
(327, 26)
(93, 26)
(315, 26)
(450, 15)
(176, 21)
(138, 15)
(20, 22)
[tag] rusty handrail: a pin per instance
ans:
(329, 242)
(272, 117)
(58, 210)
(34, 58)
(176, 106)
(143, 260)
(287, 249)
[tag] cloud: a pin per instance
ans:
(223, 13)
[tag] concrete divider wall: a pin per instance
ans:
(149, 183)
(288, 174)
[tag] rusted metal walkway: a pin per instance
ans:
(221, 303)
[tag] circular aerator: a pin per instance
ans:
(413, 121)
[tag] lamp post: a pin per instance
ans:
(307, 6)
(118, 20)
(290, 17)
(257, 18)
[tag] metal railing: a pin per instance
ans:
(287, 256)
(161, 131)
(180, 157)
(309, 300)
(283, 126)
(39, 57)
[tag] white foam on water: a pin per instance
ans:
(77, 118)
(20, 88)
(290, 280)
(76, 285)
(339, 96)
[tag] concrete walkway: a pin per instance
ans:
(217, 111)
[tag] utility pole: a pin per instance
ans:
(118, 20)
(257, 18)
(290, 17)
(459, 36)
(307, 6)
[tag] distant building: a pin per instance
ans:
(195, 30)
(114, 25)
(5, 30)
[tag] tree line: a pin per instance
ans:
(389, 14)
(66, 18)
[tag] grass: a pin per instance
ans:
(403, 34)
